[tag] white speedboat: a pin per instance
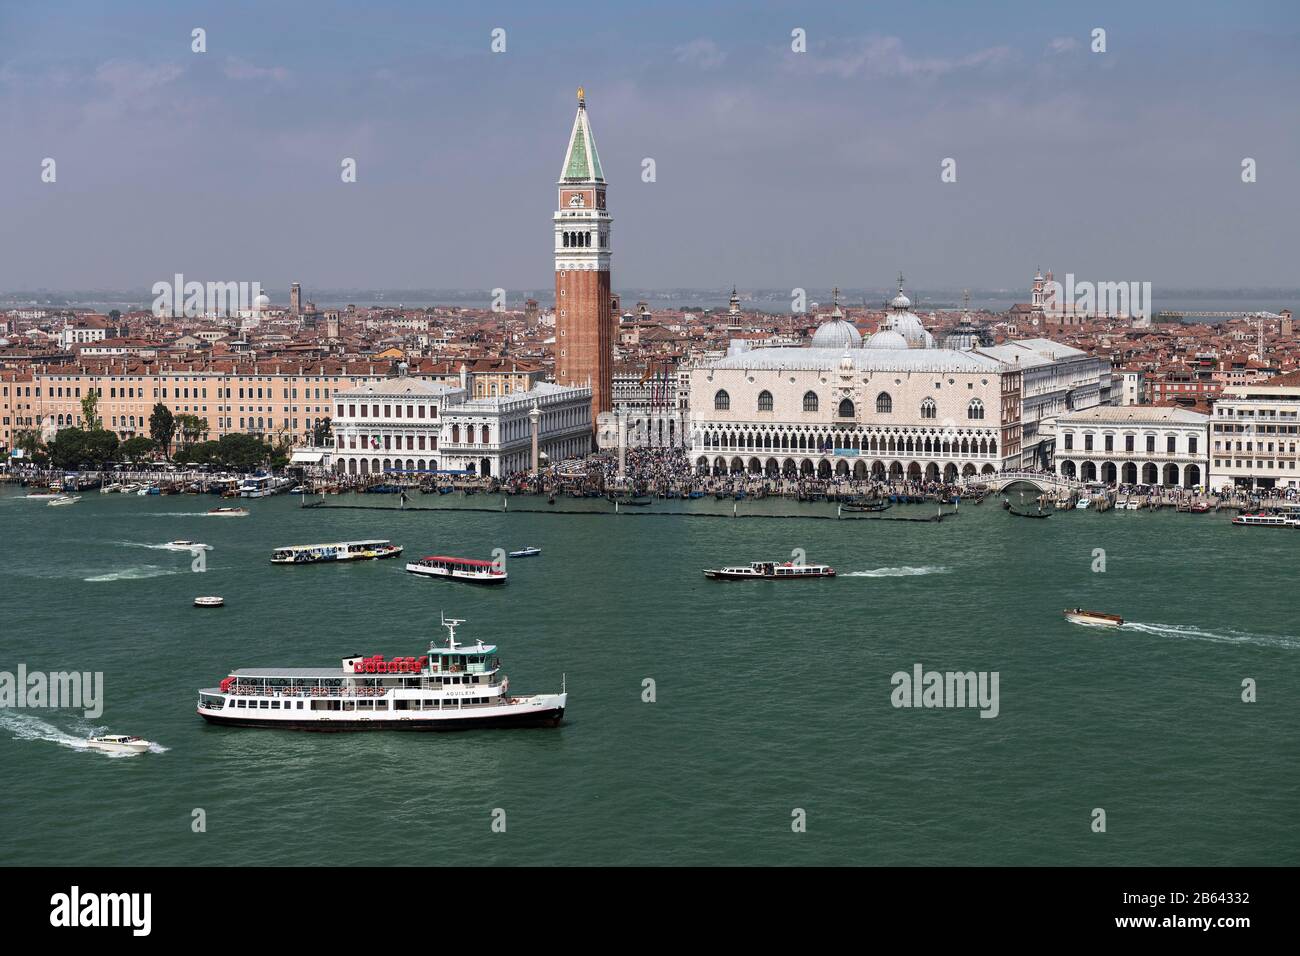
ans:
(64, 500)
(1084, 503)
(528, 552)
(228, 513)
(183, 544)
(210, 600)
(118, 744)
(1077, 615)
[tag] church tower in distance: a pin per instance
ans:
(584, 319)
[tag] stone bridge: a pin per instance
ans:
(1043, 482)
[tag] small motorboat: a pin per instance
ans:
(63, 500)
(228, 512)
(210, 600)
(184, 544)
(528, 552)
(1077, 615)
(151, 490)
(1083, 503)
(118, 744)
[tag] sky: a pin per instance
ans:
(773, 168)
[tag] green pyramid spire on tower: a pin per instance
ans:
(582, 161)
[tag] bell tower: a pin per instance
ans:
(584, 317)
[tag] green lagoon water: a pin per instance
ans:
(770, 696)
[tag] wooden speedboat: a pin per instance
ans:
(1078, 615)
(228, 512)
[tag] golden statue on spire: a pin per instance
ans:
(582, 96)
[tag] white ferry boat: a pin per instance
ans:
(771, 571)
(1267, 519)
(452, 687)
(458, 569)
(342, 551)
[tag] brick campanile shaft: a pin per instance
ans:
(584, 318)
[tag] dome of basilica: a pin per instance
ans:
(836, 334)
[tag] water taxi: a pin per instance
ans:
(341, 551)
(459, 569)
(228, 512)
(63, 500)
(210, 600)
(1264, 519)
(528, 552)
(118, 744)
(1077, 615)
(771, 571)
(453, 686)
(184, 544)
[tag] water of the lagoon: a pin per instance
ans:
(770, 697)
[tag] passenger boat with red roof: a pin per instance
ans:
(452, 687)
(459, 569)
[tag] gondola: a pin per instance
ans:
(1029, 514)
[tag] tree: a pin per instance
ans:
(320, 433)
(136, 450)
(76, 448)
(191, 428)
(29, 441)
(242, 452)
(89, 415)
(101, 447)
(162, 426)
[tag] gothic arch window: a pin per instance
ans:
(884, 404)
(764, 401)
(721, 401)
(975, 409)
(846, 408)
(929, 409)
(810, 401)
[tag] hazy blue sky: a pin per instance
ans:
(774, 169)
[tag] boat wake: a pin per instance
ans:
(136, 574)
(24, 726)
(1226, 636)
(901, 572)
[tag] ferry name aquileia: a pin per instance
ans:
(452, 687)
